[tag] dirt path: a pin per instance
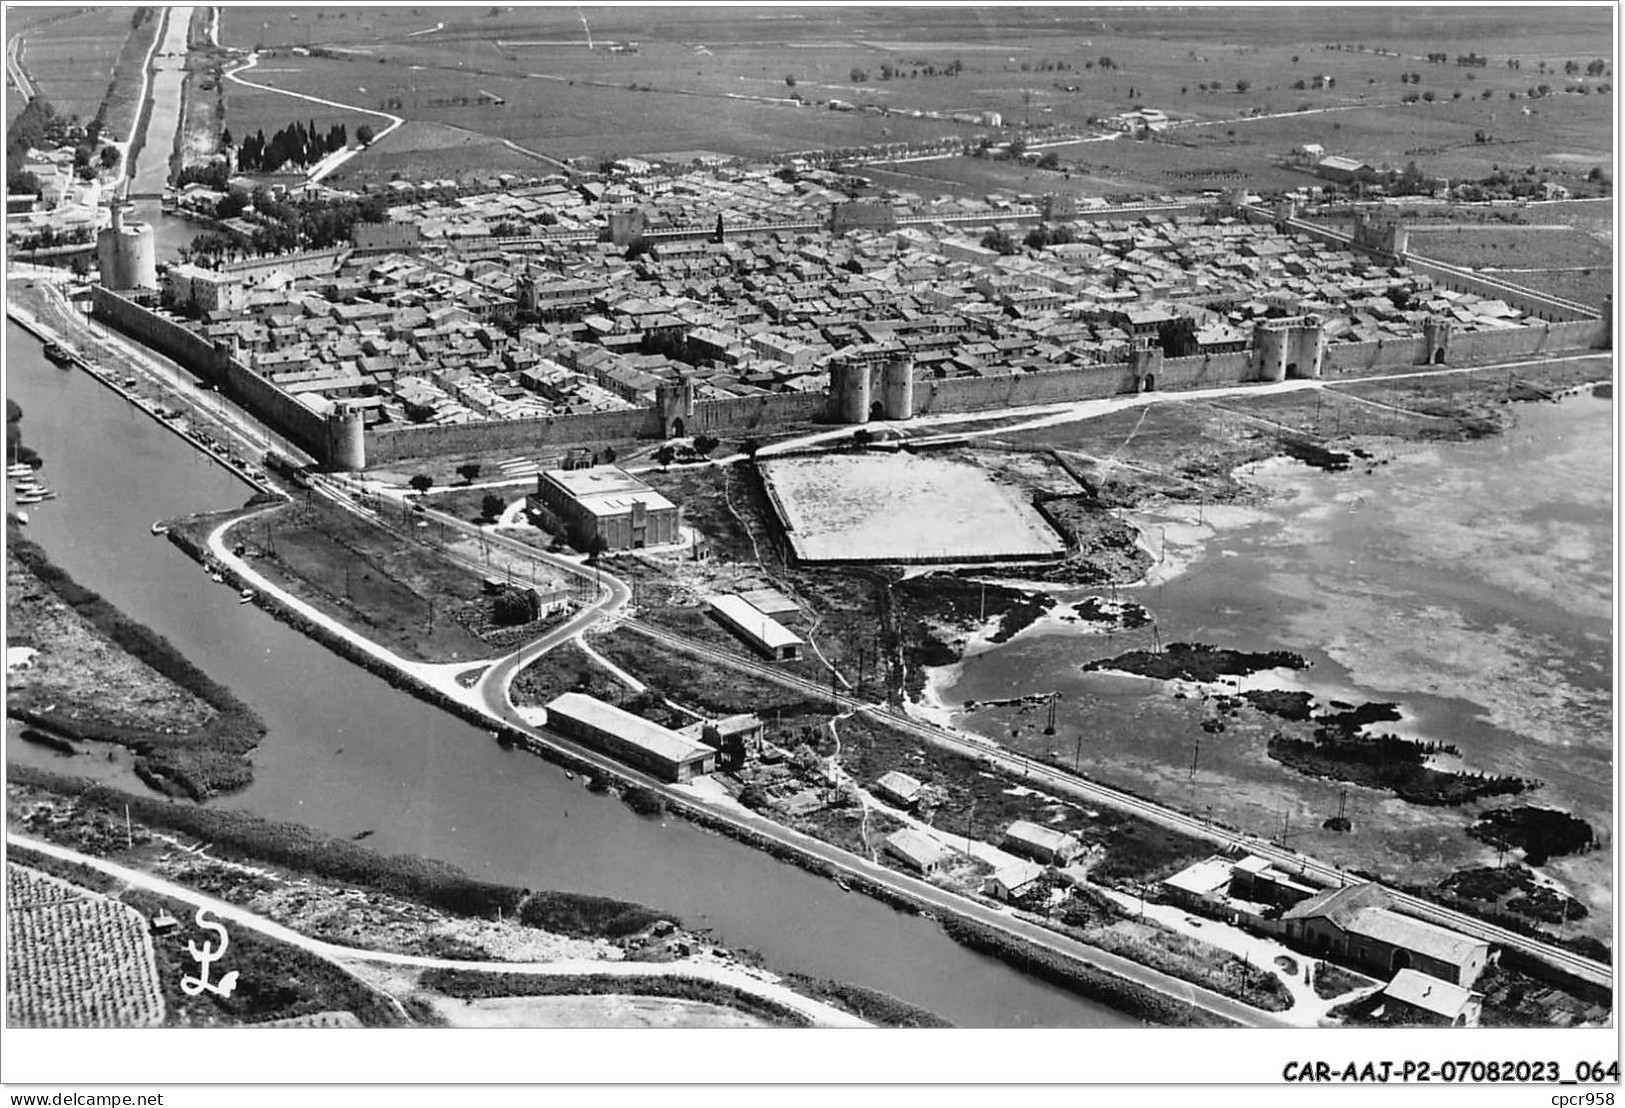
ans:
(758, 983)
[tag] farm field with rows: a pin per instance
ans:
(75, 958)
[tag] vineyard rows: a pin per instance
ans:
(75, 958)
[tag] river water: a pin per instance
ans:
(1471, 584)
(346, 753)
(151, 171)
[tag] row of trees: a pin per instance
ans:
(295, 144)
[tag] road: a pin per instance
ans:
(348, 958)
(14, 68)
(490, 695)
(327, 165)
(1034, 772)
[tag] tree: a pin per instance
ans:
(862, 437)
(109, 157)
(999, 239)
(750, 446)
(513, 607)
(665, 455)
(364, 134)
(20, 182)
(1243, 85)
(1049, 160)
(1428, 96)
(704, 444)
(858, 76)
(422, 482)
(790, 80)
(609, 455)
(469, 471)
(492, 505)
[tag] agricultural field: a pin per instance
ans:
(418, 150)
(1573, 263)
(1589, 286)
(251, 109)
(70, 54)
(75, 958)
(1512, 247)
(721, 80)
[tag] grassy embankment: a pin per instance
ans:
(472, 985)
(197, 762)
(203, 97)
(121, 108)
(247, 837)
(93, 822)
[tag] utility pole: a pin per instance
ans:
(1077, 753)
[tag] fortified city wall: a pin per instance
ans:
(737, 415)
(337, 441)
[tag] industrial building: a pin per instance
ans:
(918, 851)
(1356, 924)
(761, 632)
(629, 738)
(606, 503)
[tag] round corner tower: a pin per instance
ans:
(346, 439)
(849, 391)
(897, 389)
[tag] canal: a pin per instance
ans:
(346, 753)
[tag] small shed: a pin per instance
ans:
(1013, 881)
(918, 851)
(1040, 843)
(1413, 997)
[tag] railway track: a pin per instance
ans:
(1586, 969)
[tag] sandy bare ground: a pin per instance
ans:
(902, 507)
(587, 1011)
